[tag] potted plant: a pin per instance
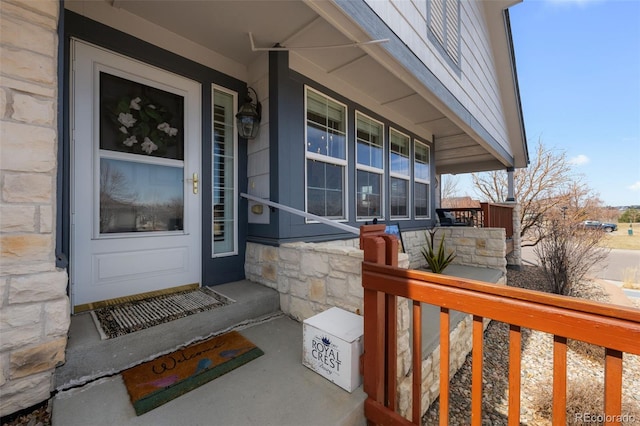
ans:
(436, 260)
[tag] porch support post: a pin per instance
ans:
(514, 258)
(510, 185)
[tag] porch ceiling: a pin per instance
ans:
(224, 27)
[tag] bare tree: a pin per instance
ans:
(115, 193)
(546, 187)
(114, 185)
(582, 203)
(449, 186)
(567, 252)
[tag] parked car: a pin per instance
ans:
(596, 224)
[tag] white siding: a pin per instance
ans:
(476, 84)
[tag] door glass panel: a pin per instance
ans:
(140, 197)
(140, 119)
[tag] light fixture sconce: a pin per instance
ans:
(249, 116)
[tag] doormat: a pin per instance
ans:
(157, 382)
(124, 318)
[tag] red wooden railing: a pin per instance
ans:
(486, 216)
(616, 329)
(498, 216)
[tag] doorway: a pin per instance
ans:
(136, 148)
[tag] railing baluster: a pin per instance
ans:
(559, 380)
(476, 372)
(515, 352)
(417, 363)
(612, 386)
(374, 348)
(444, 367)
(392, 352)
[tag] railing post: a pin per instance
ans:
(390, 256)
(380, 321)
(371, 231)
(486, 220)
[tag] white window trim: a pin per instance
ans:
(371, 169)
(327, 159)
(236, 192)
(422, 181)
(391, 172)
(417, 179)
(397, 175)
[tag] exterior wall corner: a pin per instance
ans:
(35, 311)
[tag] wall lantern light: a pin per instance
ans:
(249, 116)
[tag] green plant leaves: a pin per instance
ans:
(437, 260)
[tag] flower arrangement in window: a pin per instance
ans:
(144, 127)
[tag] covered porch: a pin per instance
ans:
(275, 389)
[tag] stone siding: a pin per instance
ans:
(35, 315)
(483, 247)
(313, 277)
(514, 258)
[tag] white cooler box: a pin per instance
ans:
(332, 345)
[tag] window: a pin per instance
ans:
(421, 176)
(399, 160)
(141, 158)
(224, 175)
(443, 20)
(370, 169)
(326, 153)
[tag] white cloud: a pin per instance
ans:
(635, 186)
(580, 160)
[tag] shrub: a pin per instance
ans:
(630, 215)
(585, 399)
(437, 260)
(567, 252)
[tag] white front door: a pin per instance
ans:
(135, 161)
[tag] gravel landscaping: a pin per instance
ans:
(37, 416)
(585, 373)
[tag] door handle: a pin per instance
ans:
(195, 181)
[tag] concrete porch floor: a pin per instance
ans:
(274, 389)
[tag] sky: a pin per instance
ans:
(578, 65)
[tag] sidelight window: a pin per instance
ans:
(224, 175)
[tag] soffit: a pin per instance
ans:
(224, 27)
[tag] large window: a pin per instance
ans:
(224, 175)
(444, 26)
(400, 173)
(370, 169)
(326, 153)
(421, 176)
